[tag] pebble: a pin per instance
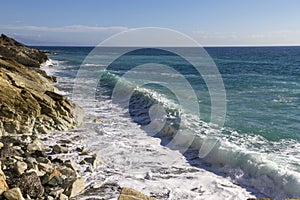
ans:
(20, 167)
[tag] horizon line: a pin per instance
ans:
(271, 45)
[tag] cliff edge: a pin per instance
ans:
(29, 103)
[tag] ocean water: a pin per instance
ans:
(255, 153)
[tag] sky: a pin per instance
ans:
(210, 22)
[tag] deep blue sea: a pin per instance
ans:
(261, 133)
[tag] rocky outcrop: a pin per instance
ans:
(11, 49)
(29, 103)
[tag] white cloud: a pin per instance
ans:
(277, 37)
(66, 29)
(64, 35)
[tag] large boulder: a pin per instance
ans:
(29, 103)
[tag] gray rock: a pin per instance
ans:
(70, 174)
(55, 181)
(30, 184)
(95, 160)
(59, 149)
(43, 160)
(72, 164)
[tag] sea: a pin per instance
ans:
(150, 115)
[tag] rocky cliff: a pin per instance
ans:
(28, 101)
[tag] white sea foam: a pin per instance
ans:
(134, 159)
(93, 65)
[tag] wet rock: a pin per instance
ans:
(14, 194)
(129, 193)
(72, 164)
(69, 174)
(83, 151)
(95, 160)
(105, 191)
(148, 175)
(89, 169)
(57, 160)
(30, 184)
(97, 120)
(59, 149)
(76, 188)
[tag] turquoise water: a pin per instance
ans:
(262, 85)
(261, 135)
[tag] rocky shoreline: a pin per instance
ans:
(31, 110)
(31, 106)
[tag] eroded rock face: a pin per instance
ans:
(22, 54)
(29, 103)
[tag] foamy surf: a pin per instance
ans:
(253, 165)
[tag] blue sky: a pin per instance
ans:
(210, 22)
